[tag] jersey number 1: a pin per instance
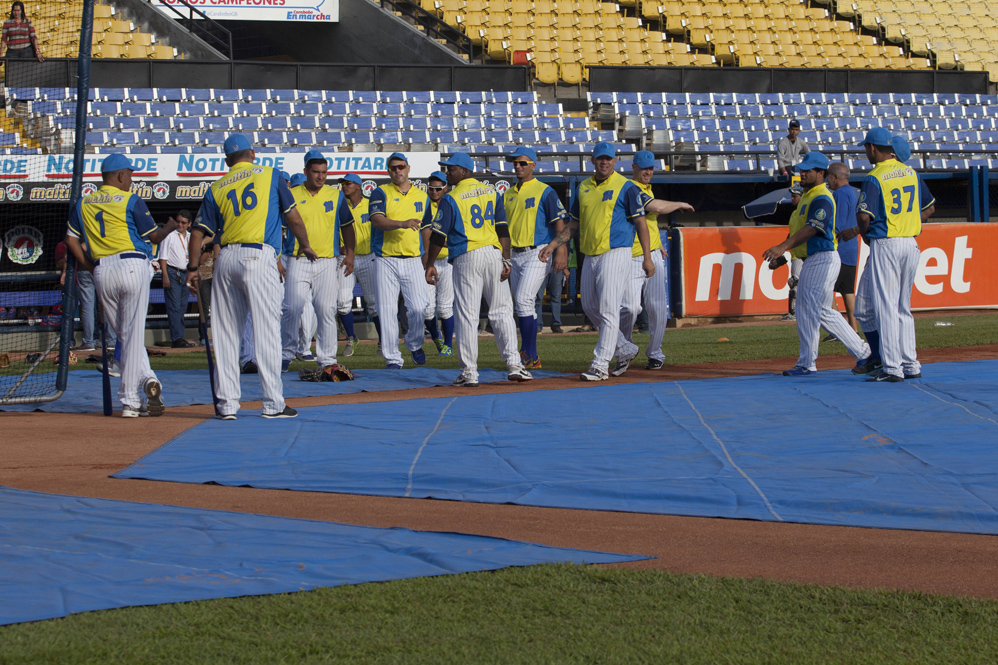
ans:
(248, 199)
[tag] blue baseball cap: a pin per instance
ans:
(438, 175)
(236, 143)
(396, 155)
(352, 177)
(313, 154)
(877, 136)
(116, 162)
(813, 160)
(604, 149)
(901, 148)
(459, 159)
(644, 159)
(523, 151)
(286, 176)
(297, 179)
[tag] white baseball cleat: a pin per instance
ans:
(132, 412)
(622, 364)
(594, 374)
(519, 374)
(466, 381)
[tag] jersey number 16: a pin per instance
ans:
(248, 199)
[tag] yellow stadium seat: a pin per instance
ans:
(572, 73)
(945, 60)
(134, 51)
(521, 20)
(111, 38)
(107, 51)
(651, 10)
(122, 26)
(162, 52)
(700, 38)
(675, 25)
(497, 49)
(547, 72)
(103, 11)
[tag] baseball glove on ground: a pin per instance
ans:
(328, 373)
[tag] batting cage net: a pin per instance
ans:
(38, 280)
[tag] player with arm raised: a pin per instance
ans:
(118, 229)
(245, 209)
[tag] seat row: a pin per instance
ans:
(768, 98)
(809, 110)
(308, 123)
(276, 95)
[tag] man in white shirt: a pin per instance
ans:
(791, 149)
(173, 253)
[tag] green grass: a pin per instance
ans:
(542, 614)
(572, 353)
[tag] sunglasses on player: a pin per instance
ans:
(522, 163)
(398, 167)
(437, 189)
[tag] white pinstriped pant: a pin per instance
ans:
(525, 279)
(315, 282)
(363, 270)
(894, 262)
(123, 288)
(656, 302)
(814, 310)
(246, 280)
(604, 279)
(476, 274)
(344, 298)
(406, 275)
(441, 295)
(863, 310)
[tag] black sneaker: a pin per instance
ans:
(884, 377)
(181, 344)
(249, 368)
(556, 329)
(909, 377)
(867, 366)
(654, 363)
(288, 412)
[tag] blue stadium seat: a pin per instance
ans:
(167, 94)
(438, 136)
(254, 95)
(110, 94)
(194, 108)
(304, 123)
(658, 123)
(363, 96)
(249, 108)
(151, 138)
(163, 108)
(388, 109)
(198, 95)
(392, 96)
(211, 138)
(333, 122)
(98, 123)
(275, 124)
(193, 124)
(328, 138)
(444, 97)
(335, 109)
(307, 108)
(739, 165)
(120, 138)
(181, 138)
(247, 124)
(100, 108)
(299, 138)
(416, 136)
(133, 108)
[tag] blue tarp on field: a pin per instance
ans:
(190, 386)
(60, 555)
(824, 449)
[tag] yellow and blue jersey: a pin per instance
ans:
(817, 209)
(531, 212)
(467, 217)
(361, 227)
(796, 224)
(111, 221)
(894, 196)
(444, 252)
(651, 218)
(389, 201)
(323, 214)
(246, 206)
(607, 212)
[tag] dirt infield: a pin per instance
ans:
(74, 454)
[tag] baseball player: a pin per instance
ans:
(535, 216)
(606, 213)
(656, 297)
(118, 231)
(816, 216)
(363, 264)
(245, 208)
(397, 212)
(796, 255)
(309, 323)
(471, 220)
(324, 212)
(893, 203)
(846, 199)
(441, 294)
(344, 299)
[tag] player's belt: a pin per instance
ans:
(519, 250)
(123, 255)
(399, 256)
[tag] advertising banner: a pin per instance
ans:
(723, 273)
(259, 10)
(180, 177)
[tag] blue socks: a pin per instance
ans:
(873, 339)
(449, 330)
(528, 333)
(347, 321)
(431, 327)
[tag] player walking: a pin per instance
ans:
(245, 208)
(441, 294)
(893, 202)
(324, 212)
(363, 262)
(118, 229)
(397, 211)
(471, 220)
(535, 216)
(816, 211)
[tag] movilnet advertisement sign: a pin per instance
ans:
(723, 273)
(181, 177)
(258, 10)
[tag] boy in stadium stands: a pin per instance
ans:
(791, 148)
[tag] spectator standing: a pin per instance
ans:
(19, 39)
(846, 200)
(173, 257)
(791, 148)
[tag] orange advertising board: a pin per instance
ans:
(723, 273)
